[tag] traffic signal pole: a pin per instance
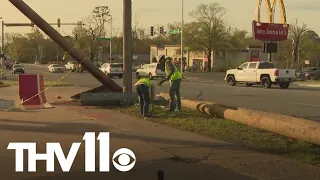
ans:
(111, 39)
(58, 44)
(127, 45)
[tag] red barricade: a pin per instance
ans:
(32, 86)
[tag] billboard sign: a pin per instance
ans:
(270, 31)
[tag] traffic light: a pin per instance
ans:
(59, 25)
(161, 30)
(151, 31)
(76, 36)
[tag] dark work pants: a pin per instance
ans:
(174, 92)
(144, 98)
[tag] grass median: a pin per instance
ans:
(234, 132)
(46, 83)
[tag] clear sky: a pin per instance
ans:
(240, 13)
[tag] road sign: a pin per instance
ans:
(176, 31)
(104, 38)
(270, 31)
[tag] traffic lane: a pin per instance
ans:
(206, 76)
(35, 67)
(297, 101)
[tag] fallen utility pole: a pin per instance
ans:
(64, 44)
(292, 127)
(127, 45)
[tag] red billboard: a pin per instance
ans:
(270, 31)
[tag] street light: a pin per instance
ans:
(111, 19)
(2, 36)
(182, 22)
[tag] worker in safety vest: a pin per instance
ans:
(143, 86)
(175, 78)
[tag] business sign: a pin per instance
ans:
(271, 7)
(270, 31)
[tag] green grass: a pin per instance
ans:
(237, 133)
(46, 83)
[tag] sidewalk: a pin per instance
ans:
(183, 155)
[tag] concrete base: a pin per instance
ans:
(108, 98)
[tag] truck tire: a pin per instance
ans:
(266, 82)
(311, 77)
(231, 80)
(284, 85)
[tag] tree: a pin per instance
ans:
(36, 39)
(238, 38)
(94, 28)
(295, 35)
(209, 32)
(100, 16)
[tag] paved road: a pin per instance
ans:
(296, 101)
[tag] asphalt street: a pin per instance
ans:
(296, 101)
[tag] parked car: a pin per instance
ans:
(17, 68)
(264, 73)
(309, 73)
(71, 65)
(56, 68)
(153, 70)
(113, 69)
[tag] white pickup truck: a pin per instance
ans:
(71, 65)
(264, 73)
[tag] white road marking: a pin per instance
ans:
(303, 104)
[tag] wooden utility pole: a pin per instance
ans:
(127, 45)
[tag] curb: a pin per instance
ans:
(292, 127)
(4, 85)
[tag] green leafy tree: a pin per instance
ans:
(209, 31)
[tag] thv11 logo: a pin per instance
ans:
(126, 158)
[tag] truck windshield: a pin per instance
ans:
(266, 66)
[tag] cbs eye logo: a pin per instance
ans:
(124, 159)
